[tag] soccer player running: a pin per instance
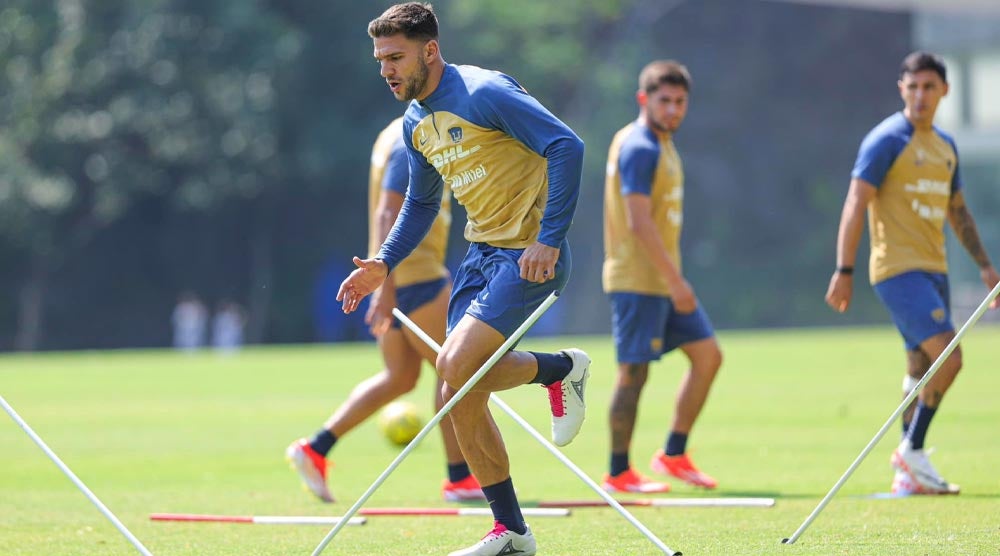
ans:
(907, 178)
(654, 309)
(420, 287)
(516, 168)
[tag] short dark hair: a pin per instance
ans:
(415, 20)
(920, 61)
(664, 71)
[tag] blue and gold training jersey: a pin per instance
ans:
(643, 162)
(390, 172)
(916, 173)
(513, 165)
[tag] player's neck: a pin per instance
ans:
(919, 124)
(435, 71)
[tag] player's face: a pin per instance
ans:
(921, 92)
(665, 107)
(403, 65)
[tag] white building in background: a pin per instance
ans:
(966, 33)
(969, 40)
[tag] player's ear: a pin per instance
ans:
(641, 98)
(431, 50)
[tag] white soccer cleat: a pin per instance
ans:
(902, 485)
(923, 478)
(501, 541)
(566, 399)
(311, 468)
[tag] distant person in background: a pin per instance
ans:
(654, 310)
(228, 323)
(907, 178)
(420, 287)
(189, 320)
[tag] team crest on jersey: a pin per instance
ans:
(456, 134)
(938, 314)
(921, 155)
(656, 344)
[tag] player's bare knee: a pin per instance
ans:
(405, 384)
(714, 361)
(451, 369)
(708, 364)
(954, 360)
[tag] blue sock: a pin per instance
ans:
(552, 367)
(918, 426)
(619, 463)
(503, 503)
(323, 442)
(458, 471)
(676, 444)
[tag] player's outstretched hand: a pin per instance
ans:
(364, 280)
(838, 294)
(990, 278)
(538, 263)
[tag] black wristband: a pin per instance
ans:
(848, 270)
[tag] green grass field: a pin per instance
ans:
(155, 431)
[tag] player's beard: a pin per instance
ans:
(415, 84)
(657, 126)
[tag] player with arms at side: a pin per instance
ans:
(516, 168)
(654, 309)
(907, 179)
(420, 287)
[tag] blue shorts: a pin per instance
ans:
(647, 326)
(488, 286)
(414, 296)
(919, 303)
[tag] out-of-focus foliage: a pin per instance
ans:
(105, 102)
(153, 146)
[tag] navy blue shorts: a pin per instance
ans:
(488, 286)
(414, 296)
(647, 326)
(919, 303)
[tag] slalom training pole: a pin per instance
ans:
(735, 502)
(500, 352)
(258, 519)
(608, 500)
(363, 512)
(76, 480)
(895, 415)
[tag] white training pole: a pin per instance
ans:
(69, 473)
(547, 445)
(258, 519)
(895, 415)
(533, 512)
(735, 502)
(500, 352)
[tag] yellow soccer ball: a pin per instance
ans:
(400, 422)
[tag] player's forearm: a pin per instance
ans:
(965, 229)
(652, 245)
(852, 223)
(385, 217)
(412, 224)
(565, 167)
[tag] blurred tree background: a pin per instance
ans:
(216, 146)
